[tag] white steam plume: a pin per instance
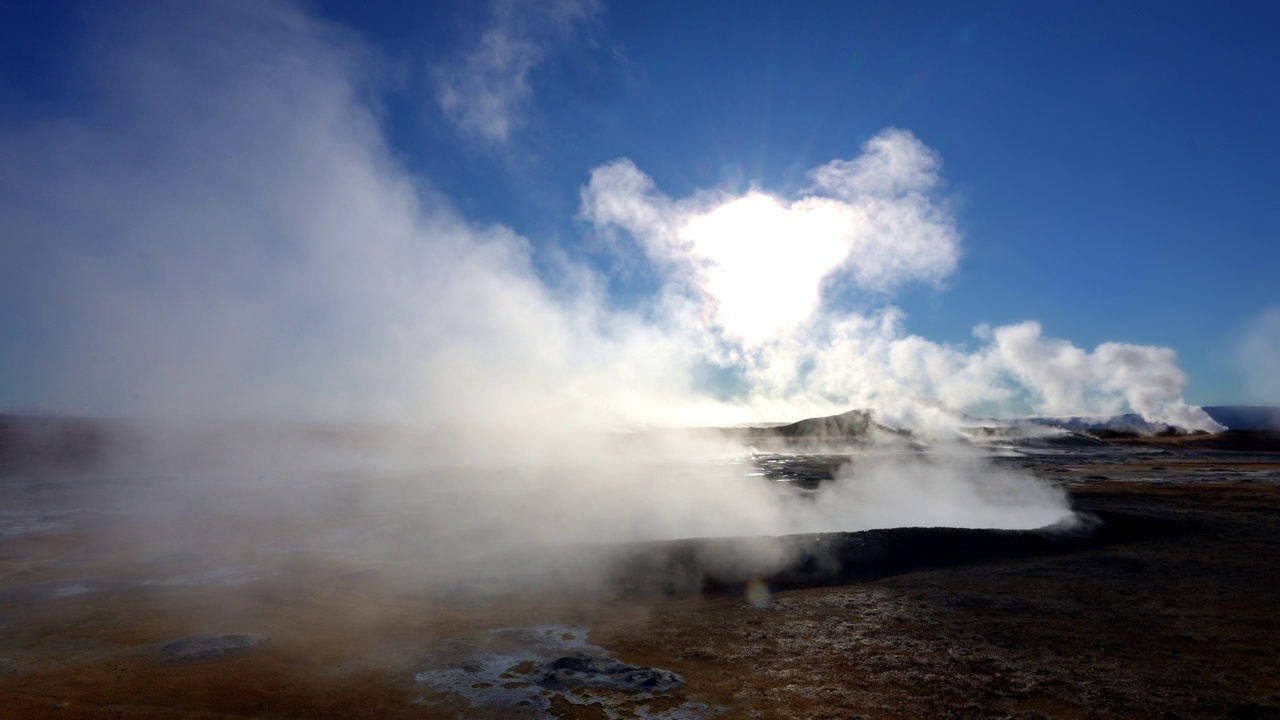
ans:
(1258, 356)
(219, 229)
(227, 234)
(1065, 378)
(224, 231)
(761, 260)
(758, 269)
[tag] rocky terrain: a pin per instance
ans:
(1164, 604)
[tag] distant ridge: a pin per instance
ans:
(1246, 417)
(860, 425)
(1235, 417)
(74, 443)
(852, 424)
(1128, 421)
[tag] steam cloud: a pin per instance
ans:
(1259, 354)
(224, 230)
(758, 265)
(219, 229)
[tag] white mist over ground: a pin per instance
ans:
(244, 508)
(218, 229)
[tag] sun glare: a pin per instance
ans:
(764, 261)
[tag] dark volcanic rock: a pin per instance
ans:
(1017, 435)
(855, 423)
(820, 435)
(208, 647)
(690, 567)
(581, 669)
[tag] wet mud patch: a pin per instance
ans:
(197, 648)
(549, 671)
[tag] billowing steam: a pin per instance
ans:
(218, 229)
(222, 230)
(758, 267)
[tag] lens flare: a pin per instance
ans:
(758, 593)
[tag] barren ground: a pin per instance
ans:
(1180, 627)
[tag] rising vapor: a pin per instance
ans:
(220, 231)
(223, 230)
(758, 267)
(1258, 354)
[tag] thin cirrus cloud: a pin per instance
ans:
(486, 91)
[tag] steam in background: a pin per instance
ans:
(220, 231)
(1258, 355)
(754, 270)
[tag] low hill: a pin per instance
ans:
(852, 424)
(1246, 417)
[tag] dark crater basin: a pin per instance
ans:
(725, 565)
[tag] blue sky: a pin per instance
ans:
(1105, 170)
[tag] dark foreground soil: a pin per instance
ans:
(1182, 627)
(1186, 625)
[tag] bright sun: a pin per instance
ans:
(763, 261)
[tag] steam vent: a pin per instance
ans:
(327, 593)
(607, 360)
